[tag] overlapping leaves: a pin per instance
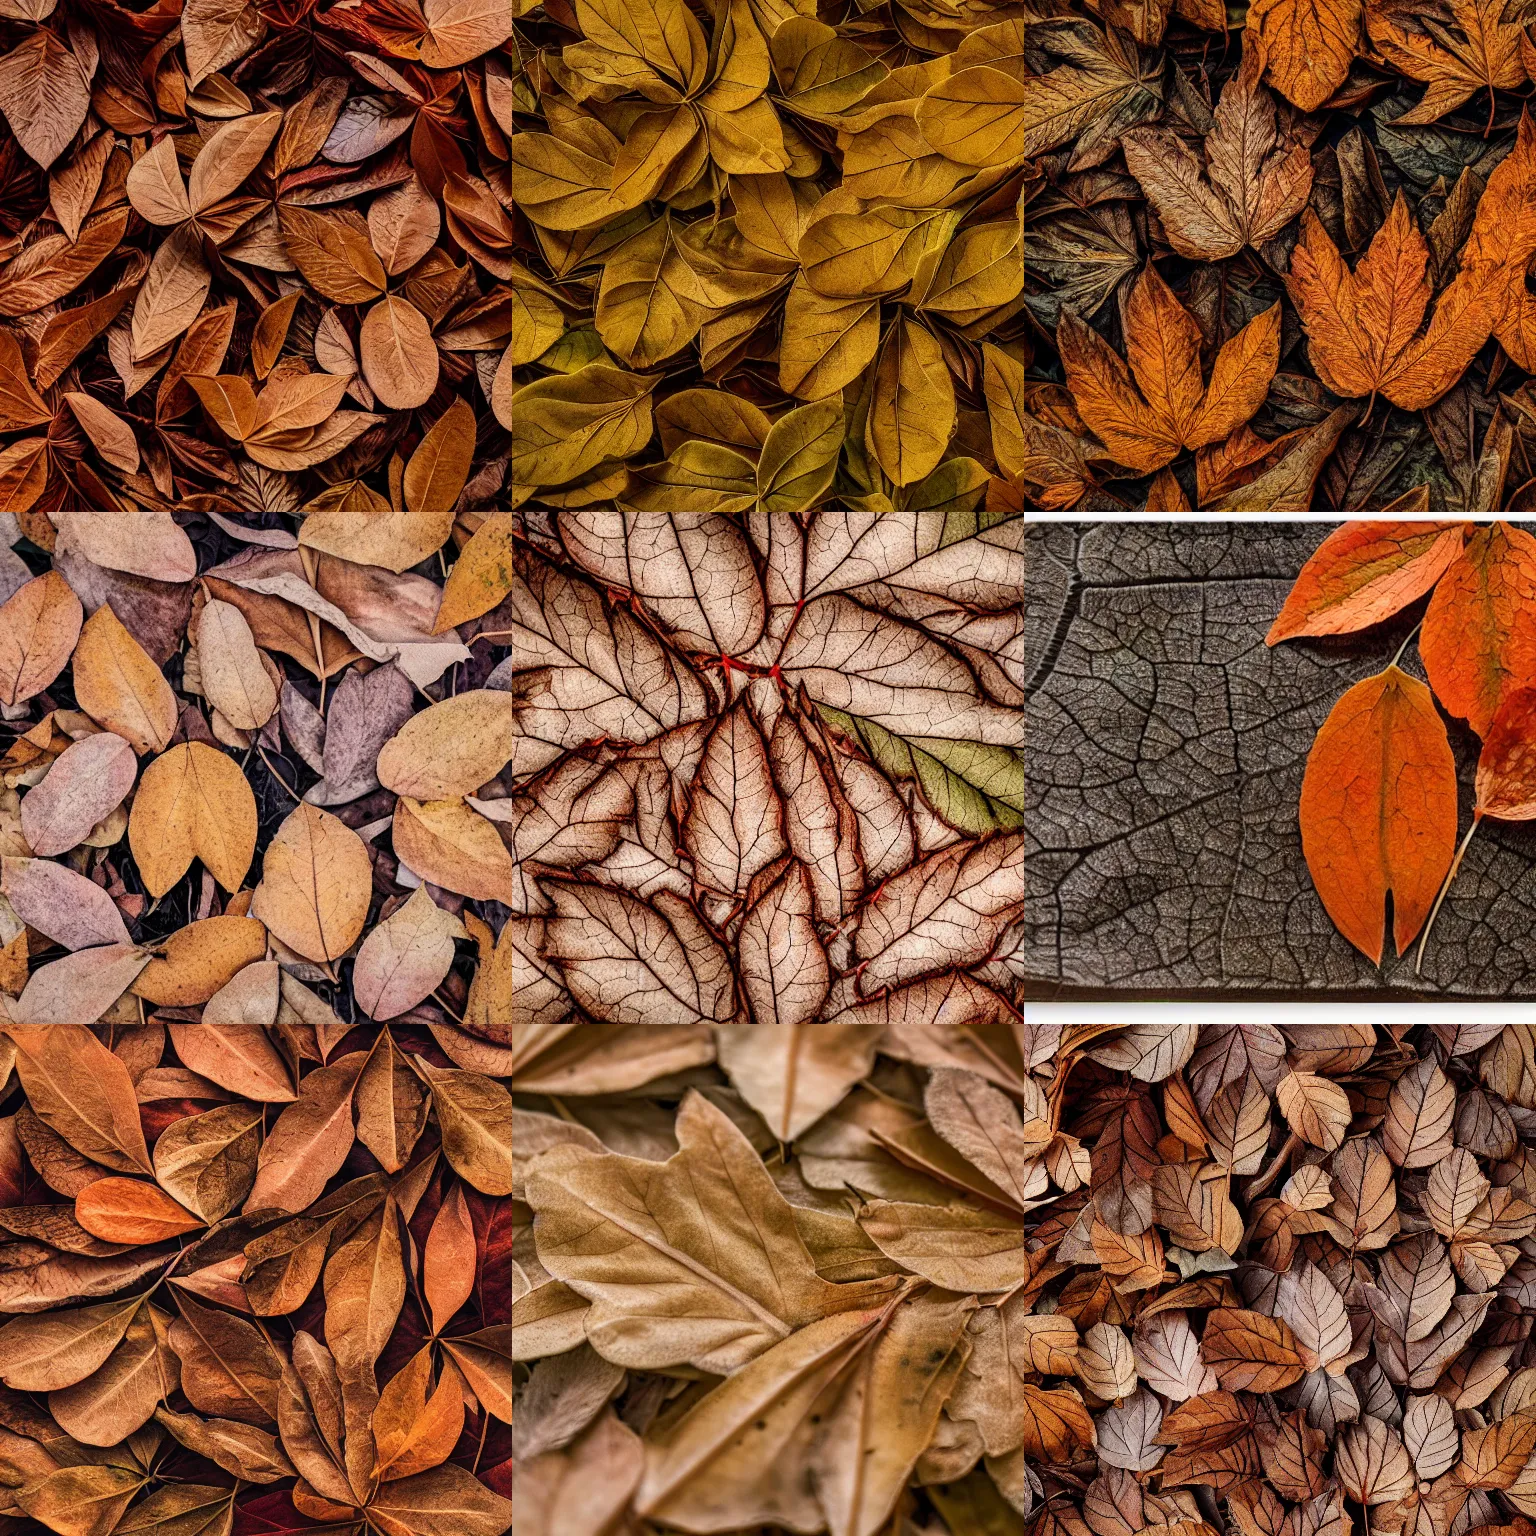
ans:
(1282, 1291)
(737, 209)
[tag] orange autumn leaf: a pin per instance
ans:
(1506, 767)
(131, 1211)
(1308, 44)
(1363, 573)
(1378, 809)
(1250, 1352)
(1363, 326)
(1476, 53)
(1479, 637)
(1503, 238)
(1145, 414)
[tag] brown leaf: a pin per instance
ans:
(1249, 1351)
(80, 1089)
(228, 1369)
(310, 1139)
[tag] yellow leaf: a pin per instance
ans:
(316, 883)
(193, 802)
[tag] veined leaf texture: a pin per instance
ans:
(776, 1134)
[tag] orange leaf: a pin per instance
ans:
(1378, 809)
(1055, 1423)
(1479, 637)
(131, 1211)
(1309, 46)
(1504, 238)
(1144, 423)
(1453, 70)
(1506, 768)
(412, 1430)
(1363, 573)
(1249, 1351)
(1363, 326)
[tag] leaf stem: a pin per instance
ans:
(1450, 874)
(275, 774)
(1404, 646)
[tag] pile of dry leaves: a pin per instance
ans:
(769, 254)
(220, 220)
(255, 1160)
(1280, 267)
(1281, 1280)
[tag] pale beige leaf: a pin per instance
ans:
(629, 961)
(694, 1260)
(233, 678)
(1308, 1301)
(876, 666)
(1105, 1362)
(946, 910)
(733, 827)
(248, 1000)
(405, 957)
(692, 570)
(583, 1487)
(792, 1074)
(982, 1124)
(784, 971)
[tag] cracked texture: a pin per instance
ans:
(1165, 748)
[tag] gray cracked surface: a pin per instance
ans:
(1166, 745)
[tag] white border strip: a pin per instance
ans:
(1320, 1012)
